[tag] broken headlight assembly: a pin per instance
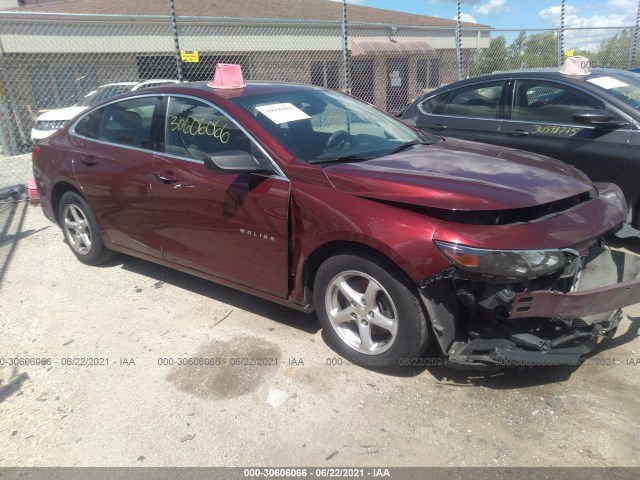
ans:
(503, 265)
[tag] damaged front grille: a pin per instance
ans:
(500, 217)
(550, 320)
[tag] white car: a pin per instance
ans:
(53, 120)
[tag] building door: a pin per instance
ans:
(397, 91)
(362, 80)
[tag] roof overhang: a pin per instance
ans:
(376, 45)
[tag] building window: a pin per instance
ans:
(325, 74)
(428, 74)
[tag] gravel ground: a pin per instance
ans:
(14, 171)
(321, 412)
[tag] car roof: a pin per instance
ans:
(549, 73)
(250, 89)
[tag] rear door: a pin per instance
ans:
(234, 226)
(114, 172)
(542, 122)
(471, 112)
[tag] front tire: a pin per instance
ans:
(369, 311)
(81, 230)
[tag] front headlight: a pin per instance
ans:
(503, 265)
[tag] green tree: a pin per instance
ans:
(540, 50)
(495, 57)
(517, 47)
(613, 52)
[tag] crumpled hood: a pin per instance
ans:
(461, 175)
(61, 113)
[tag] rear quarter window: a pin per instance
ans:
(89, 125)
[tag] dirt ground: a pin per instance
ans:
(301, 405)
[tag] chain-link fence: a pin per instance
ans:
(517, 49)
(50, 61)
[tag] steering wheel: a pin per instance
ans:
(338, 138)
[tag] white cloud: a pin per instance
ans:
(622, 13)
(465, 17)
(464, 2)
(491, 7)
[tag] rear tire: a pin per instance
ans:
(81, 230)
(369, 311)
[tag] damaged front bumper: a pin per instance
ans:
(482, 325)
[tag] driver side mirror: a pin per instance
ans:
(597, 118)
(232, 161)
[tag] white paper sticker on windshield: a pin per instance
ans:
(607, 82)
(282, 112)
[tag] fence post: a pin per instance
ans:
(345, 49)
(176, 41)
(7, 137)
(634, 39)
(561, 36)
(458, 42)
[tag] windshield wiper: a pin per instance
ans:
(406, 145)
(343, 159)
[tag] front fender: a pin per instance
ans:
(320, 216)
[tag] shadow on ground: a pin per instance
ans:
(12, 218)
(432, 360)
(278, 313)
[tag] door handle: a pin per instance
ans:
(437, 126)
(89, 160)
(166, 177)
(516, 133)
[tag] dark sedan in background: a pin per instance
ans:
(591, 121)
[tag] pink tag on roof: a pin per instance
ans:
(576, 66)
(228, 75)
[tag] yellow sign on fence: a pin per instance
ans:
(568, 53)
(189, 57)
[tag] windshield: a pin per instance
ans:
(102, 93)
(320, 126)
(624, 85)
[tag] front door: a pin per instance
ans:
(234, 226)
(542, 122)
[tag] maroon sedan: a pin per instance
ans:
(315, 200)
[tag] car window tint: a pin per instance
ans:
(129, 122)
(89, 125)
(478, 101)
(197, 130)
(540, 101)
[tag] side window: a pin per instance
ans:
(89, 125)
(477, 101)
(129, 122)
(539, 101)
(433, 105)
(196, 130)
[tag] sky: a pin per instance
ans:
(520, 14)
